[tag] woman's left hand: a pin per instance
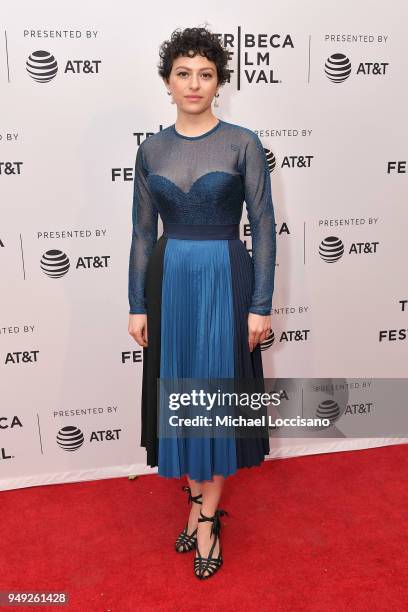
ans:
(259, 327)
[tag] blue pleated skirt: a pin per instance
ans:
(198, 292)
(197, 342)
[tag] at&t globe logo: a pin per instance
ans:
(331, 249)
(54, 263)
(42, 66)
(268, 342)
(337, 68)
(70, 438)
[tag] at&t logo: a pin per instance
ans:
(55, 263)
(331, 249)
(42, 66)
(70, 438)
(337, 68)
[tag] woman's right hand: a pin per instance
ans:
(138, 328)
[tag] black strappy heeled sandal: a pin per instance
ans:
(187, 542)
(209, 564)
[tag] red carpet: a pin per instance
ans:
(320, 533)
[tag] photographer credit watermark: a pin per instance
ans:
(279, 407)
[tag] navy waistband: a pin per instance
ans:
(189, 231)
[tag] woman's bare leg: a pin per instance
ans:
(196, 489)
(211, 491)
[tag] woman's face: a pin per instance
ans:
(193, 83)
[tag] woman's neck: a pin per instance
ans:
(194, 125)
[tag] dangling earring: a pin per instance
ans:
(172, 99)
(215, 99)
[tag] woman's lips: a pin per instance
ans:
(193, 97)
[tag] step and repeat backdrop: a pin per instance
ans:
(322, 83)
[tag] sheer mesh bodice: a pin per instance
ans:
(203, 180)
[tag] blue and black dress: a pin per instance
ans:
(197, 282)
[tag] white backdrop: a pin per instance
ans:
(79, 92)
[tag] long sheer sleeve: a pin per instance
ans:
(261, 217)
(144, 235)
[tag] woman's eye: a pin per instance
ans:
(205, 74)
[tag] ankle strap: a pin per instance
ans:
(192, 498)
(215, 519)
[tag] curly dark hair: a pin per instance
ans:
(189, 42)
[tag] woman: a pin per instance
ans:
(199, 304)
